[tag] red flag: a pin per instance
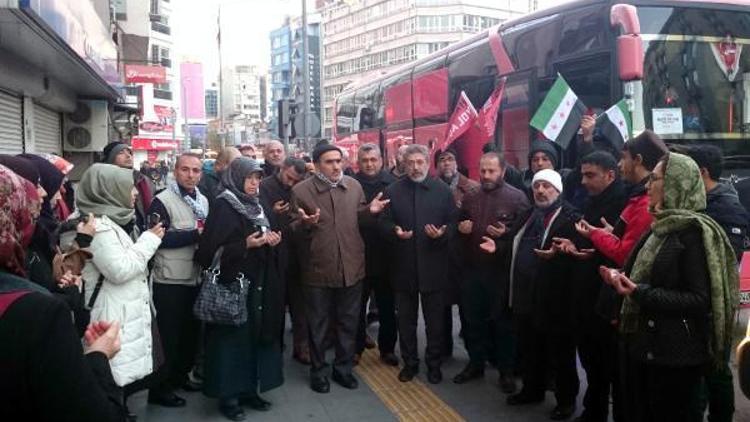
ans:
(487, 118)
(461, 120)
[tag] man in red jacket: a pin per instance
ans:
(638, 159)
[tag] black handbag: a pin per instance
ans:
(221, 303)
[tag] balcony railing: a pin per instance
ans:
(162, 94)
(160, 27)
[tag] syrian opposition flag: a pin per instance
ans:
(461, 120)
(487, 119)
(616, 124)
(559, 115)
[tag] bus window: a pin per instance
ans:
(583, 31)
(345, 113)
(397, 97)
(590, 77)
(532, 45)
(472, 69)
(513, 125)
(696, 71)
(366, 109)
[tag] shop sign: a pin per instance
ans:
(151, 144)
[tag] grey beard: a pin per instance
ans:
(418, 179)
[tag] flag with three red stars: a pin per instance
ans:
(559, 115)
(615, 124)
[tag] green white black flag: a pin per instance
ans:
(559, 115)
(615, 124)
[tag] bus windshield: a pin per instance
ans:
(696, 82)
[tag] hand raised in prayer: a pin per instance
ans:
(309, 220)
(488, 245)
(434, 232)
(403, 235)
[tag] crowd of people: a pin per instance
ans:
(626, 258)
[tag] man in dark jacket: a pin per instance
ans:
(375, 180)
(121, 155)
(541, 294)
(273, 155)
(275, 194)
(446, 164)
(420, 223)
(210, 184)
(723, 205)
(596, 335)
(494, 210)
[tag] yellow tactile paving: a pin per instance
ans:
(408, 401)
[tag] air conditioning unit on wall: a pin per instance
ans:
(87, 128)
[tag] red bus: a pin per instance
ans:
(684, 66)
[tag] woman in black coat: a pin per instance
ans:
(242, 360)
(680, 298)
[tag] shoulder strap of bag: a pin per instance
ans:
(95, 294)
(216, 262)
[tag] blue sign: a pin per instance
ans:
(198, 134)
(80, 27)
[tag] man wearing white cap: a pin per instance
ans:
(541, 297)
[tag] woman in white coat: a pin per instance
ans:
(117, 287)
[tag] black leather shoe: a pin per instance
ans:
(256, 402)
(389, 359)
(524, 398)
(408, 373)
(320, 385)
(470, 372)
(233, 413)
(562, 412)
(507, 383)
(166, 400)
(192, 386)
(434, 375)
(346, 381)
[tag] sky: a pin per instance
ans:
(245, 28)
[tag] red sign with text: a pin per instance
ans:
(151, 144)
(145, 74)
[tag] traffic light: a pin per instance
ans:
(293, 108)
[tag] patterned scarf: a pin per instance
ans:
(684, 199)
(19, 206)
(330, 183)
(233, 180)
(197, 205)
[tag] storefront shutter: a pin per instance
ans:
(11, 124)
(47, 130)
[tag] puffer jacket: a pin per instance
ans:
(124, 295)
(723, 205)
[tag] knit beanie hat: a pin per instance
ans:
(547, 148)
(321, 149)
(550, 176)
(111, 150)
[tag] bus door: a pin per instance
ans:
(513, 133)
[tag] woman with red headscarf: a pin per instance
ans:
(44, 374)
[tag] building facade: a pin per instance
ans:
(148, 47)
(362, 37)
(47, 72)
(212, 102)
(280, 72)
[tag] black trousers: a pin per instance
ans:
(336, 307)
(548, 352)
(295, 297)
(179, 332)
(433, 311)
(659, 393)
(597, 349)
(386, 301)
(487, 337)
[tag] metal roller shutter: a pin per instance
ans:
(11, 124)
(47, 130)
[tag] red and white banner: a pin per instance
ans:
(486, 121)
(151, 144)
(727, 54)
(461, 120)
(145, 74)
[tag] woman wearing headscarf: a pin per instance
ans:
(241, 361)
(44, 374)
(681, 295)
(39, 258)
(116, 278)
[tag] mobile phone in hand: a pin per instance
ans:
(153, 219)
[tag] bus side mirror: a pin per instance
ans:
(630, 57)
